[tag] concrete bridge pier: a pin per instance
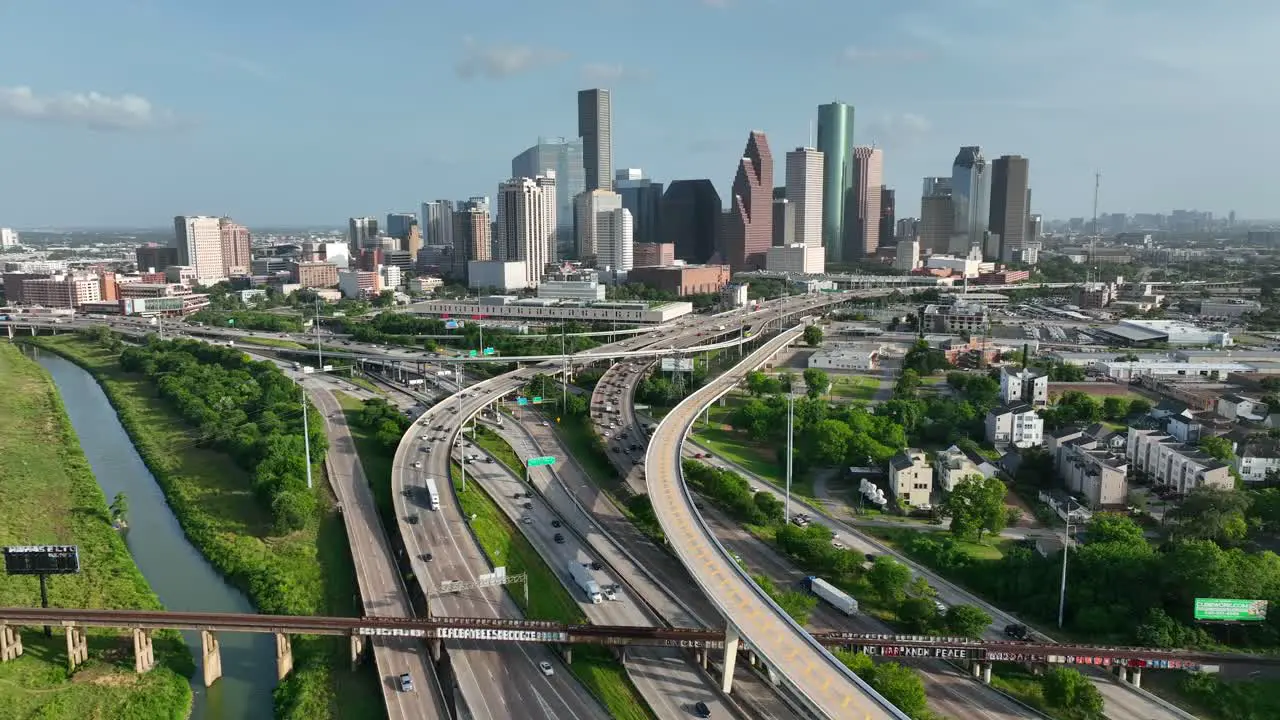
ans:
(1135, 676)
(357, 649)
(567, 651)
(77, 645)
(144, 656)
(10, 643)
(702, 658)
(731, 640)
(211, 652)
(436, 646)
(284, 656)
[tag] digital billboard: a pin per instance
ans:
(42, 560)
(1230, 610)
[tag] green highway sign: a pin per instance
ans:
(1230, 610)
(471, 354)
(522, 401)
(540, 461)
(537, 400)
(488, 351)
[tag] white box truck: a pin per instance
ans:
(433, 494)
(581, 575)
(832, 594)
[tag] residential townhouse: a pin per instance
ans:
(1017, 424)
(1165, 461)
(911, 477)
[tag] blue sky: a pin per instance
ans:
(127, 112)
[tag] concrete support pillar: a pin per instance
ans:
(284, 656)
(774, 678)
(702, 658)
(567, 650)
(977, 669)
(211, 652)
(144, 657)
(731, 639)
(1135, 677)
(357, 649)
(436, 646)
(77, 646)
(10, 641)
(986, 673)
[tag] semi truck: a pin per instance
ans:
(433, 494)
(832, 594)
(581, 575)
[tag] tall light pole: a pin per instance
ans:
(1066, 547)
(306, 432)
(462, 464)
(319, 351)
(791, 411)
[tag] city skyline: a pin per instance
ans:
(93, 143)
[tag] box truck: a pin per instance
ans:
(832, 594)
(433, 494)
(581, 575)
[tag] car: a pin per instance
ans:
(700, 708)
(426, 557)
(526, 520)
(406, 683)
(1016, 631)
(417, 464)
(488, 459)
(413, 519)
(871, 557)
(423, 437)
(556, 523)
(528, 506)
(610, 594)
(559, 538)
(546, 668)
(595, 565)
(517, 496)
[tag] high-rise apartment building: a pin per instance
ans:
(588, 209)
(970, 200)
(747, 233)
(835, 141)
(888, 215)
(361, 232)
(564, 157)
(8, 238)
(595, 127)
(236, 247)
(615, 254)
(864, 215)
(437, 222)
(199, 243)
(937, 216)
(804, 194)
(690, 213)
(472, 235)
(642, 197)
(1010, 197)
(526, 225)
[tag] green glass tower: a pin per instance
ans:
(835, 140)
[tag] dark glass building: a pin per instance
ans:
(689, 212)
(643, 197)
(748, 229)
(888, 216)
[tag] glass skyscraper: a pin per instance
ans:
(970, 199)
(564, 156)
(835, 141)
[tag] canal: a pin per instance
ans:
(174, 568)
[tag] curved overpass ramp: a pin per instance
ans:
(817, 678)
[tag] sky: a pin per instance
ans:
(128, 112)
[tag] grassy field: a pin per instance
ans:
(51, 497)
(603, 676)
(271, 342)
(860, 388)
(213, 500)
(375, 459)
(991, 548)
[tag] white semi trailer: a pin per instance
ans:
(832, 594)
(581, 575)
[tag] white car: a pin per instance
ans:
(422, 437)
(418, 464)
(546, 668)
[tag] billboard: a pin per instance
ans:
(42, 560)
(1230, 610)
(677, 364)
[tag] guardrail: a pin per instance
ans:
(700, 400)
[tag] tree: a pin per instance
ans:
(1115, 408)
(1139, 406)
(908, 385)
(1068, 689)
(292, 509)
(816, 382)
(976, 506)
(901, 686)
(812, 335)
(829, 441)
(888, 578)
(119, 509)
(1218, 448)
(1209, 513)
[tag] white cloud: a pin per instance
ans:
(92, 110)
(607, 73)
(501, 61)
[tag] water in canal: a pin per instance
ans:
(176, 570)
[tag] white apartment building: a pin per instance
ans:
(1016, 424)
(390, 276)
(199, 242)
(587, 209)
(911, 477)
(361, 232)
(526, 227)
(1092, 464)
(846, 357)
(1024, 385)
(907, 255)
(615, 238)
(804, 193)
(436, 221)
(8, 238)
(505, 275)
(1168, 462)
(578, 290)
(1256, 457)
(1242, 409)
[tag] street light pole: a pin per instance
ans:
(462, 464)
(306, 432)
(319, 351)
(791, 410)
(1066, 547)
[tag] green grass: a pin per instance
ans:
(271, 342)
(365, 383)
(212, 497)
(861, 388)
(488, 440)
(991, 548)
(50, 496)
(595, 667)
(375, 459)
(1016, 681)
(750, 455)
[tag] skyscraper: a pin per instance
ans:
(471, 235)
(937, 217)
(748, 229)
(690, 212)
(526, 232)
(199, 242)
(615, 244)
(835, 141)
(1009, 203)
(784, 218)
(361, 232)
(595, 127)
(804, 193)
(564, 156)
(643, 198)
(868, 177)
(888, 213)
(970, 199)
(437, 222)
(588, 209)
(236, 247)
(400, 224)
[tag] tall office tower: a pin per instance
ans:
(399, 225)
(550, 215)
(747, 232)
(8, 238)
(937, 216)
(437, 222)
(690, 212)
(863, 217)
(588, 208)
(784, 218)
(835, 141)
(564, 156)
(1035, 228)
(970, 200)
(1009, 202)
(595, 127)
(361, 232)
(643, 198)
(472, 238)
(199, 242)
(236, 247)
(616, 244)
(525, 232)
(804, 194)
(887, 215)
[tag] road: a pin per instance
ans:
(825, 684)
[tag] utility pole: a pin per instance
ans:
(319, 351)
(306, 432)
(791, 412)
(462, 459)
(1066, 547)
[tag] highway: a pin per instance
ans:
(823, 682)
